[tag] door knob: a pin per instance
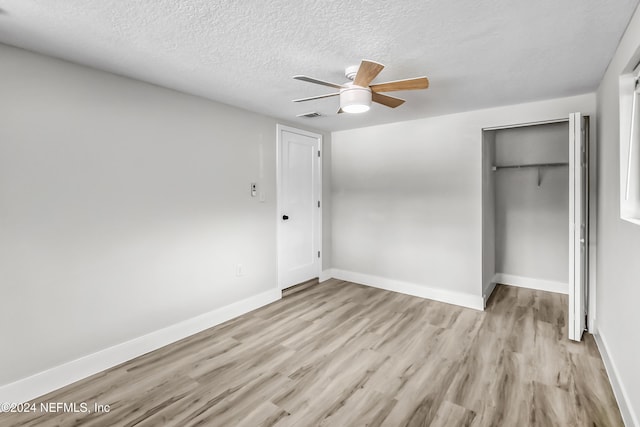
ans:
(285, 217)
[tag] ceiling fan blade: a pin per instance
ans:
(311, 98)
(389, 101)
(407, 84)
(367, 71)
(316, 81)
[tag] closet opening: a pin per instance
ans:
(534, 197)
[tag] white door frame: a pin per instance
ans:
(279, 129)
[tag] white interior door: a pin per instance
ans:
(578, 220)
(299, 213)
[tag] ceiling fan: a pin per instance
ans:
(357, 94)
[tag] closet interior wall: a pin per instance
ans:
(526, 209)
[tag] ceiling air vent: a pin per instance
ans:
(310, 115)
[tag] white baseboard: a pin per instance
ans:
(325, 275)
(624, 402)
(415, 289)
(52, 379)
(531, 283)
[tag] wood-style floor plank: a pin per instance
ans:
(342, 354)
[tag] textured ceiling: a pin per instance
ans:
(476, 53)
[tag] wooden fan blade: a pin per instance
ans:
(367, 71)
(407, 84)
(389, 101)
(316, 81)
(316, 97)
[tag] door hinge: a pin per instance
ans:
(318, 203)
(318, 153)
(318, 254)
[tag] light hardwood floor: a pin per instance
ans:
(341, 354)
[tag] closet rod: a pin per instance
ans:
(534, 165)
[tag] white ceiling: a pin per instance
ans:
(476, 53)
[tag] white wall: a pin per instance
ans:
(124, 208)
(532, 222)
(407, 197)
(618, 269)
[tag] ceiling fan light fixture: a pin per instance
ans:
(355, 99)
(357, 95)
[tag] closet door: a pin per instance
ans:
(578, 220)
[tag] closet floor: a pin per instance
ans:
(343, 354)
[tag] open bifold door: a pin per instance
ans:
(578, 224)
